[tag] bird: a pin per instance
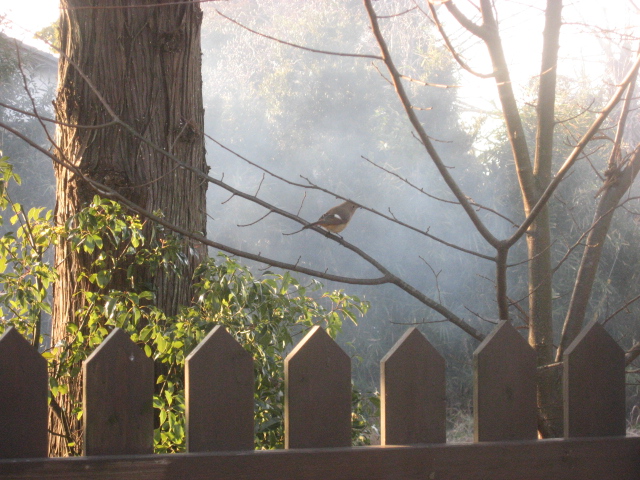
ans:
(335, 219)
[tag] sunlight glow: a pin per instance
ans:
(23, 19)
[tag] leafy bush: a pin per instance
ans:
(266, 315)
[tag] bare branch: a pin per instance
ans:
(632, 354)
(111, 193)
(406, 225)
(421, 190)
(479, 31)
(386, 278)
(123, 7)
(571, 159)
(476, 314)
(325, 52)
(258, 220)
(450, 46)
(424, 138)
(578, 115)
(313, 186)
(397, 14)
(435, 276)
(623, 307)
(427, 84)
(259, 186)
(56, 122)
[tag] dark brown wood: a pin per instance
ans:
(118, 398)
(613, 458)
(594, 385)
(219, 395)
(23, 398)
(412, 392)
(317, 393)
(504, 397)
(146, 65)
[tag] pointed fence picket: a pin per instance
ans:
(118, 398)
(219, 395)
(23, 398)
(412, 392)
(594, 385)
(504, 398)
(317, 393)
(118, 417)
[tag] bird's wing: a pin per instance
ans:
(330, 219)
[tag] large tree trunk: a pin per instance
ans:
(145, 62)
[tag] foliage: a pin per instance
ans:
(51, 35)
(266, 314)
(24, 274)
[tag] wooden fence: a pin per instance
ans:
(118, 415)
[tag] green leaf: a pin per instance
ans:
(103, 278)
(88, 245)
(161, 343)
(145, 333)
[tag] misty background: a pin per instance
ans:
(310, 117)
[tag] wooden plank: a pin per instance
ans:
(23, 398)
(412, 392)
(504, 397)
(612, 458)
(219, 395)
(317, 393)
(118, 398)
(594, 385)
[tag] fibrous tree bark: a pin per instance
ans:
(142, 59)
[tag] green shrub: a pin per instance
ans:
(266, 314)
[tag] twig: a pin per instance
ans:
(634, 299)
(284, 42)
(397, 14)
(421, 190)
(428, 84)
(253, 223)
(450, 47)
(435, 276)
(149, 5)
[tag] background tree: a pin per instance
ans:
(534, 161)
(531, 148)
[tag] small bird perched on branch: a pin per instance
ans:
(335, 220)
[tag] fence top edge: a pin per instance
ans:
(166, 457)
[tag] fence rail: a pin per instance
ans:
(118, 390)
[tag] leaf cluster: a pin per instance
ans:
(266, 314)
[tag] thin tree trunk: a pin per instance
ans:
(145, 62)
(533, 180)
(619, 184)
(539, 238)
